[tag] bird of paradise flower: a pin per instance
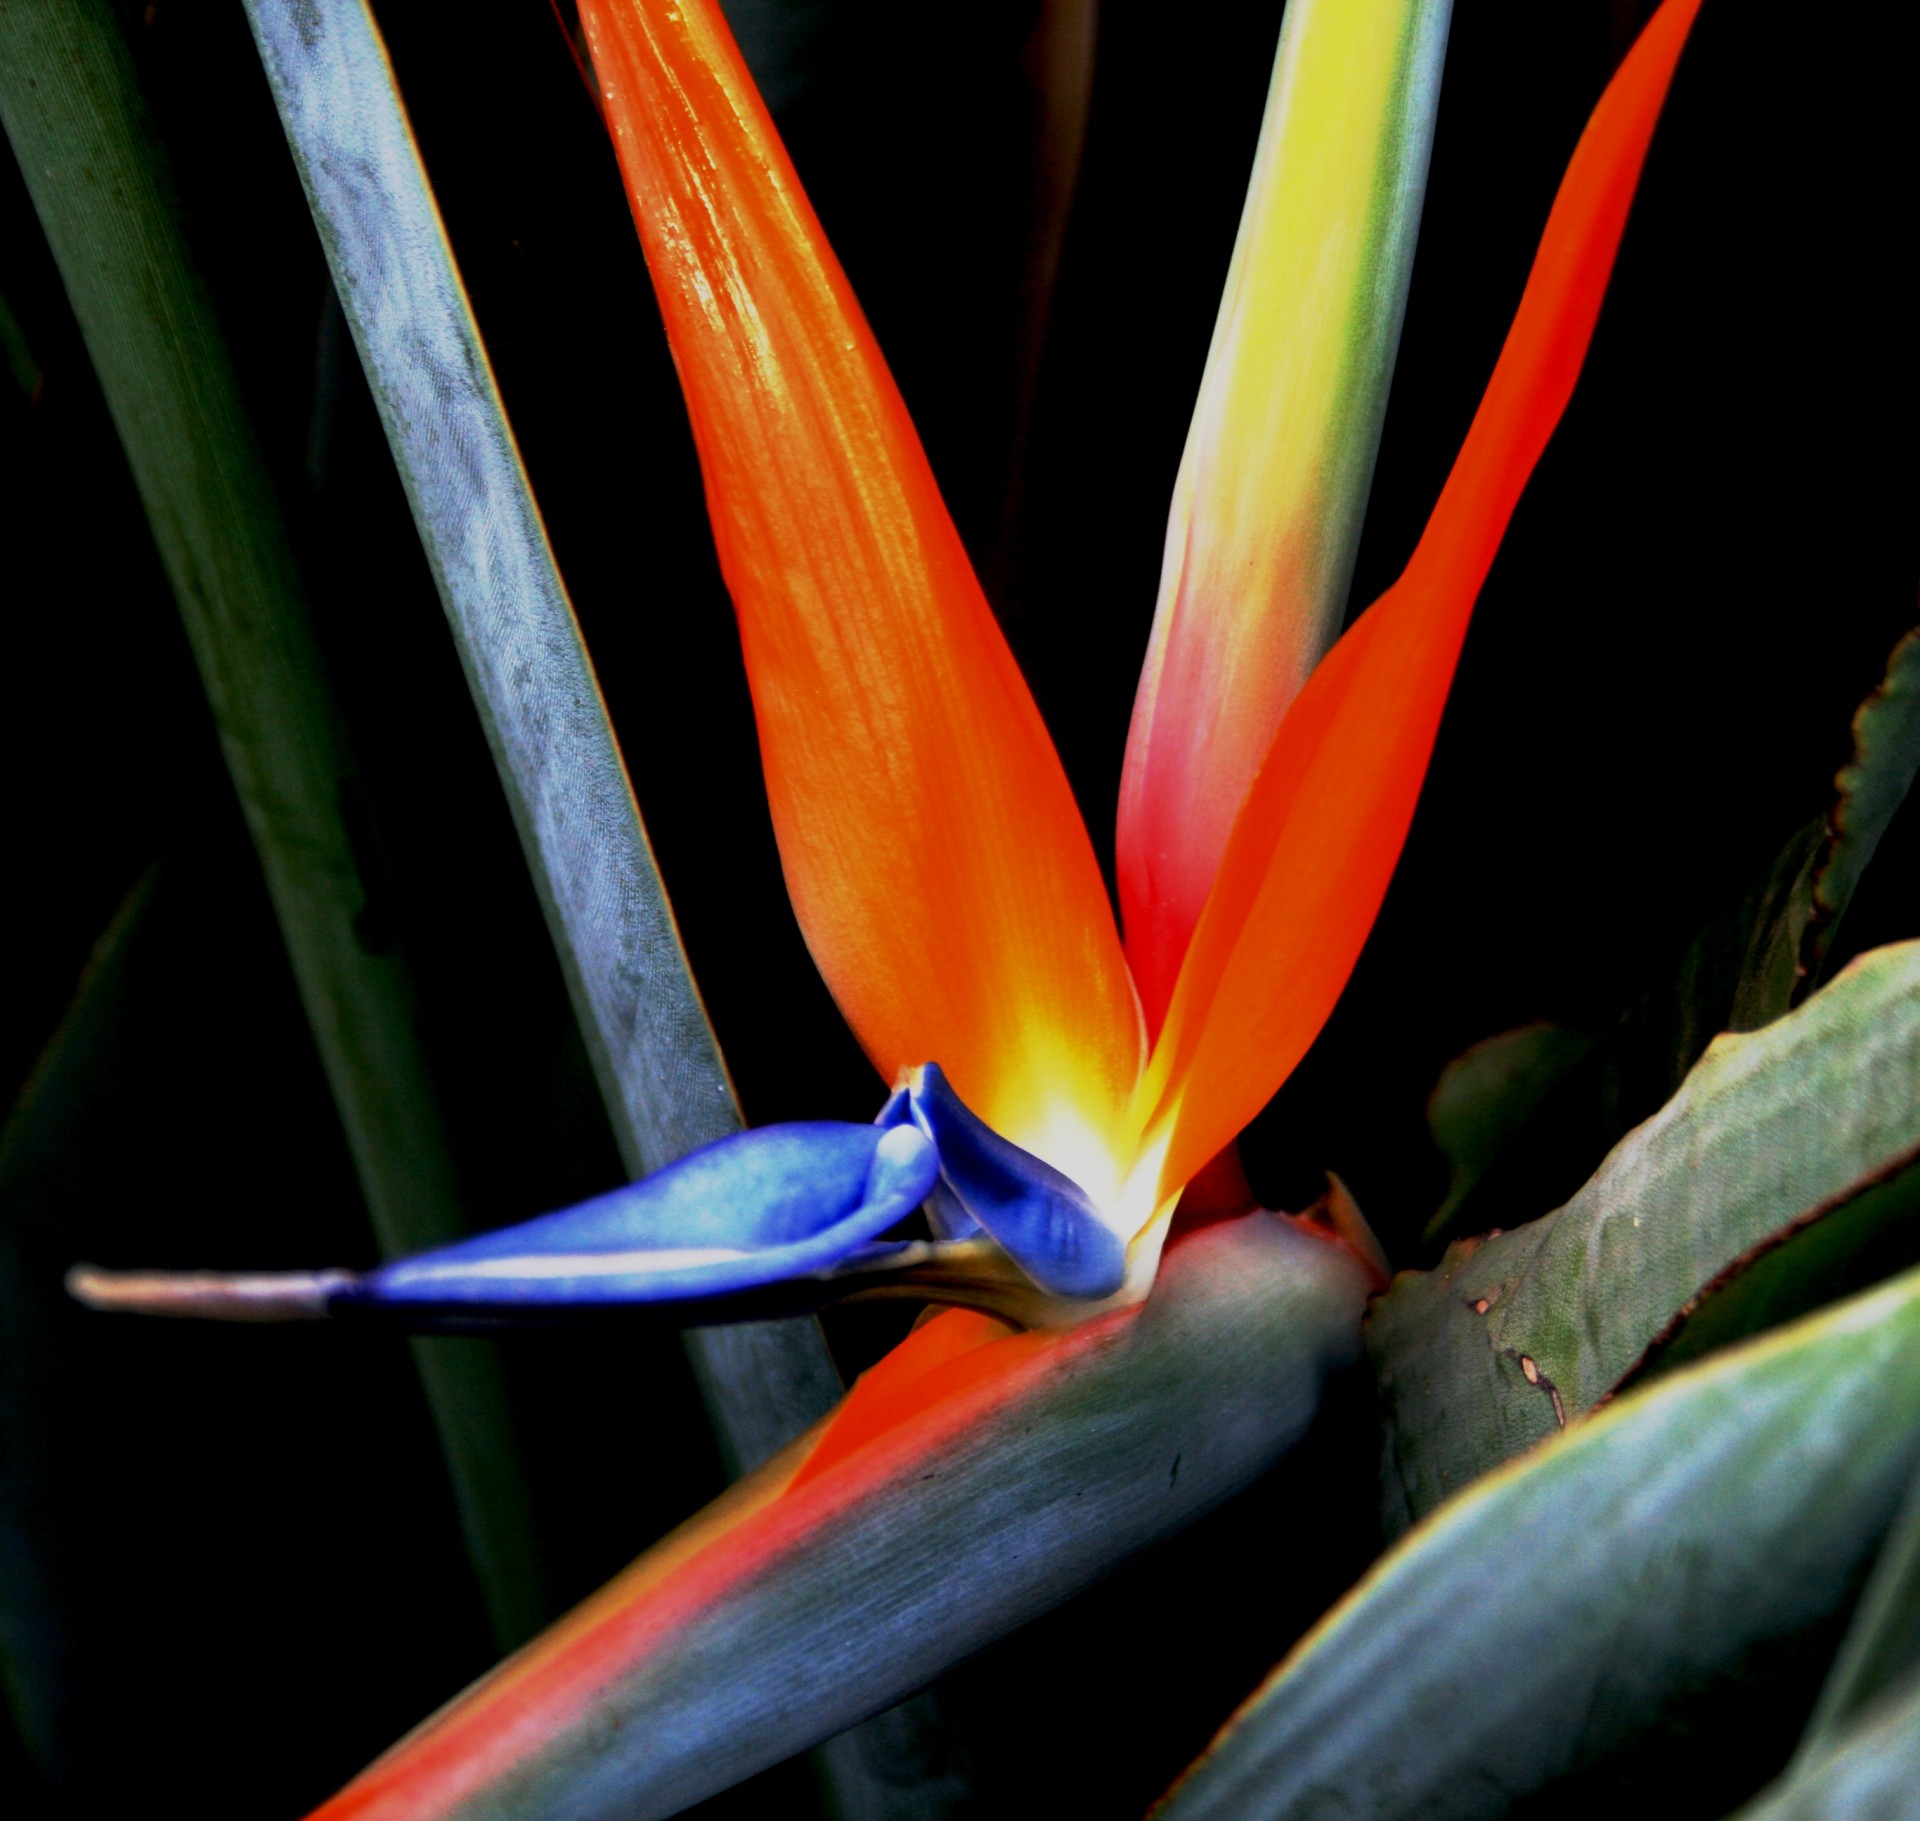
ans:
(1058, 1092)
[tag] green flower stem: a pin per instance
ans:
(72, 108)
(1881, 1651)
(660, 1071)
(1648, 1553)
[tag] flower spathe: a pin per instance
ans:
(914, 790)
(1067, 1090)
(913, 785)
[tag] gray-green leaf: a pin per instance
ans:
(1487, 1094)
(78, 121)
(661, 1074)
(1761, 955)
(1552, 1615)
(1871, 786)
(1880, 1659)
(1512, 1335)
(1869, 1771)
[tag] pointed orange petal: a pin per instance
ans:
(933, 850)
(938, 1358)
(1317, 839)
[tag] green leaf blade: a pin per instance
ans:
(1549, 1616)
(661, 1073)
(1512, 1336)
(1487, 1094)
(1879, 1660)
(1758, 958)
(1867, 1771)
(1871, 787)
(76, 117)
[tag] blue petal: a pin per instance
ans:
(1046, 1222)
(747, 1212)
(946, 1213)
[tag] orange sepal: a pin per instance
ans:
(943, 1355)
(933, 850)
(1323, 825)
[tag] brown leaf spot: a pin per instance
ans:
(1530, 1371)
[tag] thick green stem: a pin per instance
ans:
(660, 1070)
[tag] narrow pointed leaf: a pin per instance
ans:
(1872, 785)
(1740, 972)
(165, 1485)
(1059, 65)
(78, 124)
(44, 1662)
(1758, 957)
(913, 785)
(18, 353)
(660, 1071)
(1273, 485)
(1859, 1758)
(796, 1607)
(1487, 1094)
(1866, 1771)
(1514, 1335)
(1656, 1551)
(1319, 834)
(1881, 1653)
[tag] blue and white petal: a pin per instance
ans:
(1045, 1221)
(947, 1214)
(783, 1218)
(781, 1205)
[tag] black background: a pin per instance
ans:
(250, 1569)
